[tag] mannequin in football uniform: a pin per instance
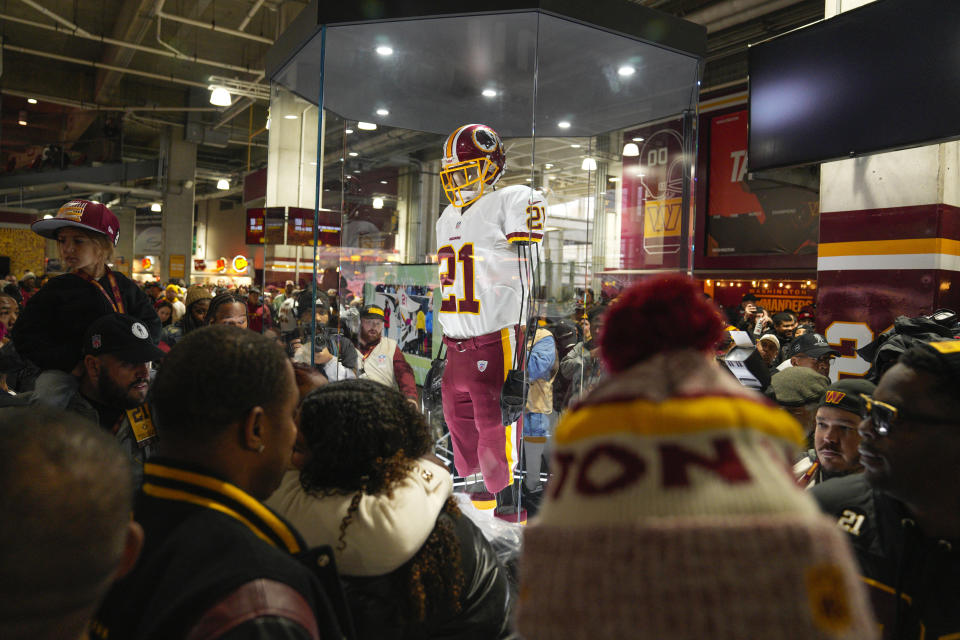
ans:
(483, 241)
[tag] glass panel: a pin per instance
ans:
(595, 191)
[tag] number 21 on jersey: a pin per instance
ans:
(448, 259)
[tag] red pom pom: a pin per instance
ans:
(661, 313)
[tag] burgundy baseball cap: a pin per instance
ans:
(82, 214)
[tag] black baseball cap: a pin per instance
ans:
(121, 336)
(811, 344)
(845, 394)
(748, 297)
(373, 312)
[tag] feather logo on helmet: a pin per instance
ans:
(473, 161)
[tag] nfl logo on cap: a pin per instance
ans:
(95, 341)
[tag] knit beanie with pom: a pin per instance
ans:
(672, 511)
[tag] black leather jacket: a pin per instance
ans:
(913, 580)
(377, 602)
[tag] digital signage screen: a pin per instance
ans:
(880, 77)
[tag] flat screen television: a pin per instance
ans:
(881, 77)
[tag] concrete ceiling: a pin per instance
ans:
(147, 63)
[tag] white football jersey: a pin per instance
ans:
(480, 275)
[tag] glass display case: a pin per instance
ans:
(595, 104)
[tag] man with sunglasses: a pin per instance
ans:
(902, 513)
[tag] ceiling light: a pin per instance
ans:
(48, 216)
(631, 149)
(574, 146)
(529, 179)
(378, 203)
(348, 131)
(551, 177)
(637, 139)
(366, 126)
(22, 118)
(489, 93)
(356, 170)
(353, 154)
(626, 70)
(291, 116)
(32, 100)
(155, 207)
(549, 165)
(588, 164)
(384, 50)
(220, 97)
(563, 124)
(223, 184)
(382, 112)
(383, 182)
(613, 179)
(268, 123)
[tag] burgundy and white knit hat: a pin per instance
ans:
(672, 512)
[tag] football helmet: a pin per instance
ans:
(473, 160)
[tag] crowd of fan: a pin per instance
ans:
(283, 487)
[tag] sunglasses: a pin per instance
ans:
(884, 415)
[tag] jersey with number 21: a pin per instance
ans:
(481, 287)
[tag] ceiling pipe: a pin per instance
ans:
(109, 67)
(253, 11)
(216, 195)
(213, 27)
(53, 188)
(749, 14)
(722, 11)
(71, 29)
(55, 17)
(90, 106)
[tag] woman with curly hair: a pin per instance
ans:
(413, 565)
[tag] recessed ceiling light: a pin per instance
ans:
(626, 70)
(155, 207)
(489, 93)
(223, 184)
(384, 50)
(574, 146)
(563, 124)
(637, 139)
(383, 182)
(348, 131)
(549, 165)
(290, 116)
(382, 112)
(366, 126)
(353, 154)
(356, 170)
(378, 203)
(32, 100)
(529, 179)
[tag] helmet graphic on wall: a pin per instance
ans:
(473, 159)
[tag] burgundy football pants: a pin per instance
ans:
(472, 380)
